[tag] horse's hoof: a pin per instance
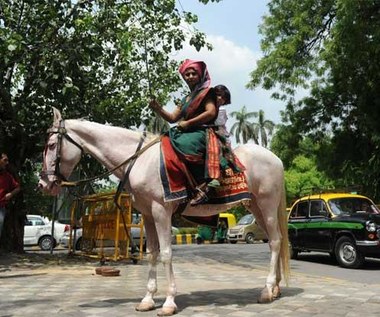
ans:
(167, 311)
(265, 297)
(276, 292)
(144, 306)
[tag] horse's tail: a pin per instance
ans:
(283, 223)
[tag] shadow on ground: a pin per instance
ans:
(224, 297)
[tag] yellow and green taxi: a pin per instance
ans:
(347, 226)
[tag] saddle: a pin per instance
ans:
(177, 181)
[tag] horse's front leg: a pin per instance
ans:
(169, 307)
(163, 227)
(147, 303)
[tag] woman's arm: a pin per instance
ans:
(205, 117)
(170, 117)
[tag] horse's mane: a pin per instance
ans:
(148, 135)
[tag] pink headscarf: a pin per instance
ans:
(201, 68)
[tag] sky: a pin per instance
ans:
(231, 26)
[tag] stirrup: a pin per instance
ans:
(200, 197)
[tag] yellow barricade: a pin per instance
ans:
(105, 226)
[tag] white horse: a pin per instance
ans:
(67, 141)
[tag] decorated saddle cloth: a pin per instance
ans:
(175, 180)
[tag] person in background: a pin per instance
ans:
(9, 188)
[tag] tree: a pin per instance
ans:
(303, 177)
(262, 129)
(330, 50)
(243, 127)
(99, 59)
(158, 125)
(286, 144)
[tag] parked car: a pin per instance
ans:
(80, 244)
(347, 226)
(135, 232)
(37, 231)
(246, 230)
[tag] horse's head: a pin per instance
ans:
(62, 153)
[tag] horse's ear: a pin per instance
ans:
(57, 117)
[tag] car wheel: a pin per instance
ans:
(78, 245)
(347, 255)
(250, 238)
(232, 241)
(45, 243)
(293, 253)
(87, 245)
(144, 246)
(265, 240)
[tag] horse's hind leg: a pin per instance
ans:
(277, 290)
(266, 217)
(147, 302)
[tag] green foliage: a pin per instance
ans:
(36, 202)
(158, 125)
(285, 144)
(102, 60)
(262, 129)
(243, 128)
(330, 48)
(238, 211)
(188, 230)
(303, 177)
(258, 131)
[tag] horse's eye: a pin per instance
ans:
(51, 146)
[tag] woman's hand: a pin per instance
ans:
(183, 125)
(154, 105)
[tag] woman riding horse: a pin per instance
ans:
(194, 138)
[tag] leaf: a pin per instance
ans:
(12, 47)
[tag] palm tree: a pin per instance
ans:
(262, 129)
(243, 127)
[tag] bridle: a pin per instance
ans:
(62, 133)
(61, 180)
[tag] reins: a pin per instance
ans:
(62, 132)
(134, 156)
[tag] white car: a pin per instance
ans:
(135, 232)
(80, 244)
(37, 231)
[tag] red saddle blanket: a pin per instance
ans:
(173, 171)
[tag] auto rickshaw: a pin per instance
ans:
(217, 232)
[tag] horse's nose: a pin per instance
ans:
(39, 187)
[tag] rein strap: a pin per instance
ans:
(134, 156)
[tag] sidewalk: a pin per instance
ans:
(38, 287)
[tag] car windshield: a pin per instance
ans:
(246, 220)
(352, 205)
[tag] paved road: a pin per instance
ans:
(257, 256)
(211, 282)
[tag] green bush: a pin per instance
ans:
(187, 230)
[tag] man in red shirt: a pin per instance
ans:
(9, 187)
